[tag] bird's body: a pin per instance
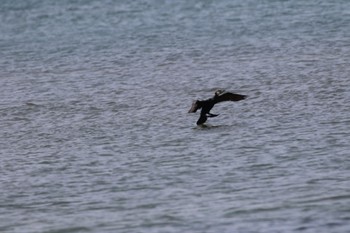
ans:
(207, 105)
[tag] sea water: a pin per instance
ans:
(95, 134)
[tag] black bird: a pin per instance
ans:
(207, 105)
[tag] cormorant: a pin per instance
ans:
(207, 105)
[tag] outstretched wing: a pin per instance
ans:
(228, 96)
(195, 106)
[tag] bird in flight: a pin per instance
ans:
(208, 104)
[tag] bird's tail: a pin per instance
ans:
(212, 115)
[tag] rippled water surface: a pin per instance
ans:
(95, 134)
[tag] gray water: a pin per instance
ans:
(95, 134)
